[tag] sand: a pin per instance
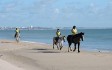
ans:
(7, 66)
(39, 56)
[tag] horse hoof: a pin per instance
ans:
(78, 51)
(60, 48)
(73, 50)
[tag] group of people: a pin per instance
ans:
(73, 31)
(58, 33)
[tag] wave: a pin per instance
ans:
(35, 42)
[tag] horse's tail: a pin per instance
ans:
(68, 37)
(15, 35)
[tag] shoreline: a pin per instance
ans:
(88, 50)
(39, 56)
(65, 46)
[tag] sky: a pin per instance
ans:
(56, 13)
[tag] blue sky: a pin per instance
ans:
(56, 13)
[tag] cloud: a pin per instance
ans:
(57, 11)
(48, 11)
(10, 7)
(93, 9)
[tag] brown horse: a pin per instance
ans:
(75, 39)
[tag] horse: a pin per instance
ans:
(75, 39)
(17, 36)
(58, 41)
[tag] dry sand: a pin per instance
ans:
(7, 66)
(38, 56)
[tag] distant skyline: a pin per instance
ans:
(56, 13)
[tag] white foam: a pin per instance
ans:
(36, 42)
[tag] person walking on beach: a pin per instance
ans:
(17, 34)
(58, 34)
(74, 30)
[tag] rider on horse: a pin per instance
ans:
(58, 33)
(17, 31)
(74, 30)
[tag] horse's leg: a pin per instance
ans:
(61, 45)
(78, 47)
(53, 45)
(69, 47)
(17, 39)
(74, 47)
(57, 46)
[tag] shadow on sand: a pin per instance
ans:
(5, 42)
(40, 50)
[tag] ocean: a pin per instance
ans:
(94, 39)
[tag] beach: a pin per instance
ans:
(40, 56)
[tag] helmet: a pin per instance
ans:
(57, 29)
(74, 26)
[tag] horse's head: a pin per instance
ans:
(64, 38)
(82, 36)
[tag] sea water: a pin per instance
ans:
(94, 39)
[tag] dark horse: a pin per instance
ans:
(75, 39)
